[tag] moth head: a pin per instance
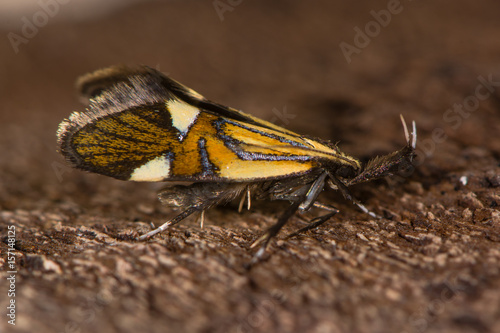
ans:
(390, 164)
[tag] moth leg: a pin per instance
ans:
(202, 218)
(347, 195)
(313, 192)
(242, 202)
(273, 231)
(310, 197)
(246, 195)
(297, 198)
(196, 197)
(316, 222)
(249, 198)
(303, 199)
(169, 223)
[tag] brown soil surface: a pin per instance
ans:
(432, 264)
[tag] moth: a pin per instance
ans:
(141, 125)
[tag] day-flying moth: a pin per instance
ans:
(141, 125)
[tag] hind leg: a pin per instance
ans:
(194, 198)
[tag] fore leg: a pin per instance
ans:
(337, 184)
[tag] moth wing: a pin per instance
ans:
(141, 125)
(94, 84)
(125, 126)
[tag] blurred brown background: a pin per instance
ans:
(339, 70)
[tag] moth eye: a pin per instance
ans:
(345, 172)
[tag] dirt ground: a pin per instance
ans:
(336, 70)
